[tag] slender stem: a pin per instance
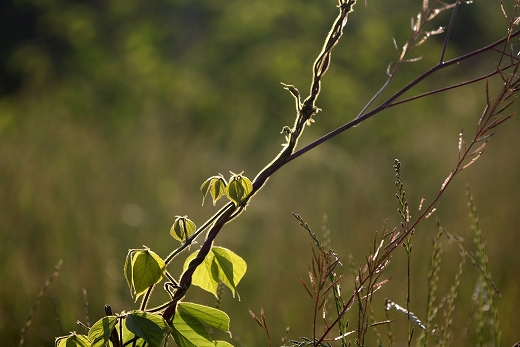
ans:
(390, 102)
(448, 32)
(453, 86)
(381, 90)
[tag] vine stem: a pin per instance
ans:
(185, 281)
(305, 111)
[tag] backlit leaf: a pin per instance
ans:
(182, 228)
(206, 274)
(209, 315)
(100, 332)
(150, 327)
(128, 272)
(73, 340)
(220, 264)
(188, 331)
(238, 188)
(147, 270)
(231, 267)
(219, 343)
(216, 186)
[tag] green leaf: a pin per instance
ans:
(150, 327)
(205, 275)
(129, 336)
(128, 272)
(231, 267)
(147, 270)
(209, 315)
(100, 332)
(216, 186)
(182, 228)
(238, 189)
(219, 343)
(73, 340)
(220, 264)
(188, 331)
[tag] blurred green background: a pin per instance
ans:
(112, 114)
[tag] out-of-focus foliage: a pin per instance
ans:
(113, 113)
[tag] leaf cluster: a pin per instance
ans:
(237, 190)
